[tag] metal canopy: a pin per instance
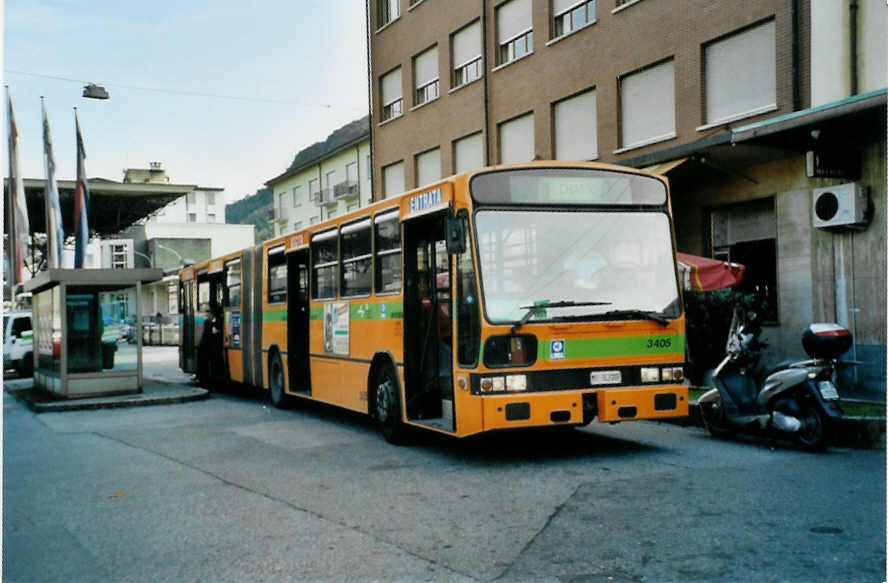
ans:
(113, 206)
(95, 279)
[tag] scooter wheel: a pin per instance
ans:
(812, 434)
(715, 422)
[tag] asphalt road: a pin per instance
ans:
(230, 489)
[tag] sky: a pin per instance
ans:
(223, 93)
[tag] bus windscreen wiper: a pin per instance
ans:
(647, 315)
(531, 310)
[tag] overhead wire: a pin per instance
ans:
(184, 92)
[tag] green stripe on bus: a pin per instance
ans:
(366, 311)
(274, 315)
(612, 347)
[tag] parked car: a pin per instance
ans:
(18, 343)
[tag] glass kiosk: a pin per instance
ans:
(78, 317)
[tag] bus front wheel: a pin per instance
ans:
(388, 406)
(276, 382)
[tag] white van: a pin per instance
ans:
(18, 343)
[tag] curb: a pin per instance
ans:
(855, 432)
(40, 402)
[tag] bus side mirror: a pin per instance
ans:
(455, 235)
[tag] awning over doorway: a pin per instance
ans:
(665, 167)
(704, 274)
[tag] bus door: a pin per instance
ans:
(428, 341)
(232, 339)
(186, 332)
(297, 322)
(208, 338)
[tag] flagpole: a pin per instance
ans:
(10, 212)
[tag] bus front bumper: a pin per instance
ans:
(567, 407)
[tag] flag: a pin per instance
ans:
(19, 228)
(81, 202)
(55, 235)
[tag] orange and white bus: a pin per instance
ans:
(527, 295)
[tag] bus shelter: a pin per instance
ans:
(79, 325)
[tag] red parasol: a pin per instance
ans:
(704, 274)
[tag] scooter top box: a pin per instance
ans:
(826, 340)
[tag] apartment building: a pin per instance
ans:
(200, 205)
(752, 109)
(325, 179)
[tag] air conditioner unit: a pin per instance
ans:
(841, 206)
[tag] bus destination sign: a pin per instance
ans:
(425, 201)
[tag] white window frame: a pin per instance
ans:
(562, 22)
(428, 91)
(470, 69)
(390, 15)
(393, 108)
(628, 95)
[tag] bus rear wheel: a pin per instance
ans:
(276, 382)
(388, 406)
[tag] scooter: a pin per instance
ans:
(796, 399)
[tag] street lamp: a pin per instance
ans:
(93, 91)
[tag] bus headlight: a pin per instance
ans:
(650, 374)
(673, 373)
(493, 384)
(516, 382)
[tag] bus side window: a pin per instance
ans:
(233, 283)
(203, 296)
(354, 245)
(324, 263)
(387, 232)
(277, 275)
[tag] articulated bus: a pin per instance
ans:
(529, 295)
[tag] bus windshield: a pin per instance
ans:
(581, 264)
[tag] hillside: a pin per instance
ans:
(253, 210)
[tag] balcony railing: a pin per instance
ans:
(347, 189)
(324, 196)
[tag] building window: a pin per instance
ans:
(211, 218)
(392, 98)
(516, 140)
(314, 220)
(647, 105)
(428, 167)
(314, 189)
(297, 225)
(576, 132)
(191, 198)
(747, 233)
(741, 77)
(118, 256)
(211, 198)
(393, 179)
(297, 196)
(571, 15)
(468, 153)
(369, 168)
(351, 207)
(351, 172)
(425, 76)
(331, 182)
(514, 30)
(281, 204)
(192, 217)
(387, 11)
(466, 54)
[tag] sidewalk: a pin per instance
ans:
(856, 432)
(154, 392)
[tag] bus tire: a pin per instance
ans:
(276, 381)
(388, 405)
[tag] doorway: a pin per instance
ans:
(297, 322)
(428, 323)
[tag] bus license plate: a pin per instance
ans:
(827, 390)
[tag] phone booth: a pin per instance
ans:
(78, 319)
